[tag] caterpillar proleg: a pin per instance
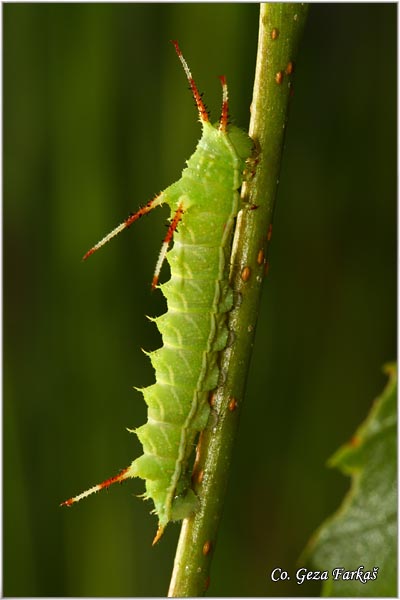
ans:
(204, 204)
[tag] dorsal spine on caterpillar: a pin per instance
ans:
(204, 203)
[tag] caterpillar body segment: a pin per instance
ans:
(204, 204)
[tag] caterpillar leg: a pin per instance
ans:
(125, 224)
(166, 242)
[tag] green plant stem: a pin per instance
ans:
(281, 26)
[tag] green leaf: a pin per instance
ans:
(363, 532)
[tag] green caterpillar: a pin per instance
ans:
(204, 203)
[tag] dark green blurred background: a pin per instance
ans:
(97, 119)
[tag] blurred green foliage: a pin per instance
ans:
(363, 530)
(97, 119)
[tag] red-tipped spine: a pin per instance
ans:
(164, 248)
(223, 120)
(125, 224)
(97, 488)
(203, 113)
